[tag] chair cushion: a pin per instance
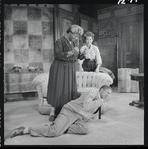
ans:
(86, 89)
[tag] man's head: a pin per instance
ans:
(105, 93)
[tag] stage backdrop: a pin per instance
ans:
(28, 41)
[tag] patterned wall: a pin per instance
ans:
(107, 27)
(28, 41)
(108, 33)
(120, 10)
(107, 43)
(28, 37)
(89, 24)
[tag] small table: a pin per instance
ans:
(139, 77)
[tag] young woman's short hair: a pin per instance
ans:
(89, 34)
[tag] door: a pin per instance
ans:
(66, 20)
(130, 44)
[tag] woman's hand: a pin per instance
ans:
(77, 49)
(70, 53)
(87, 56)
(81, 69)
(80, 62)
(97, 70)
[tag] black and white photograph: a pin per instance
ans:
(73, 74)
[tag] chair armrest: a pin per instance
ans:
(40, 78)
(40, 94)
(40, 82)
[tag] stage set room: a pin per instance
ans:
(73, 57)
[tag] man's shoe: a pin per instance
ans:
(52, 118)
(17, 132)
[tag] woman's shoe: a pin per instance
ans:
(17, 132)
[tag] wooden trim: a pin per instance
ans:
(64, 14)
(64, 7)
(120, 21)
(85, 17)
(119, 11)
(56, 20)
(141, 47)
(58, 15)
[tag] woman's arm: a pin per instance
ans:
(98, 59)
(59, 54)
(81, 53)
(80, 64)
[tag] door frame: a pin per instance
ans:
(64, 14)
(123, 49)
(126, 19)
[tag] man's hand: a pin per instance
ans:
(95, 116)
(107, 98)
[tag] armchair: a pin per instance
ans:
(92, 80)
(85, 81)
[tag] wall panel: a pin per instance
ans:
(28, 41)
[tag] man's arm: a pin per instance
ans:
(92, 102)
(85, 114)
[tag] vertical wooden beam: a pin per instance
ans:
(141, 48)
(56, 22)
(75, 11)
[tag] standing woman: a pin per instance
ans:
(90, 55)
(62, 85)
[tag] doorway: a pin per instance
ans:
(130, 44)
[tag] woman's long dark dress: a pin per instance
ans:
(62, 86)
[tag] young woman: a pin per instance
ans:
(90, 55)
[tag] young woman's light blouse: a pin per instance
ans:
(92, 53)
